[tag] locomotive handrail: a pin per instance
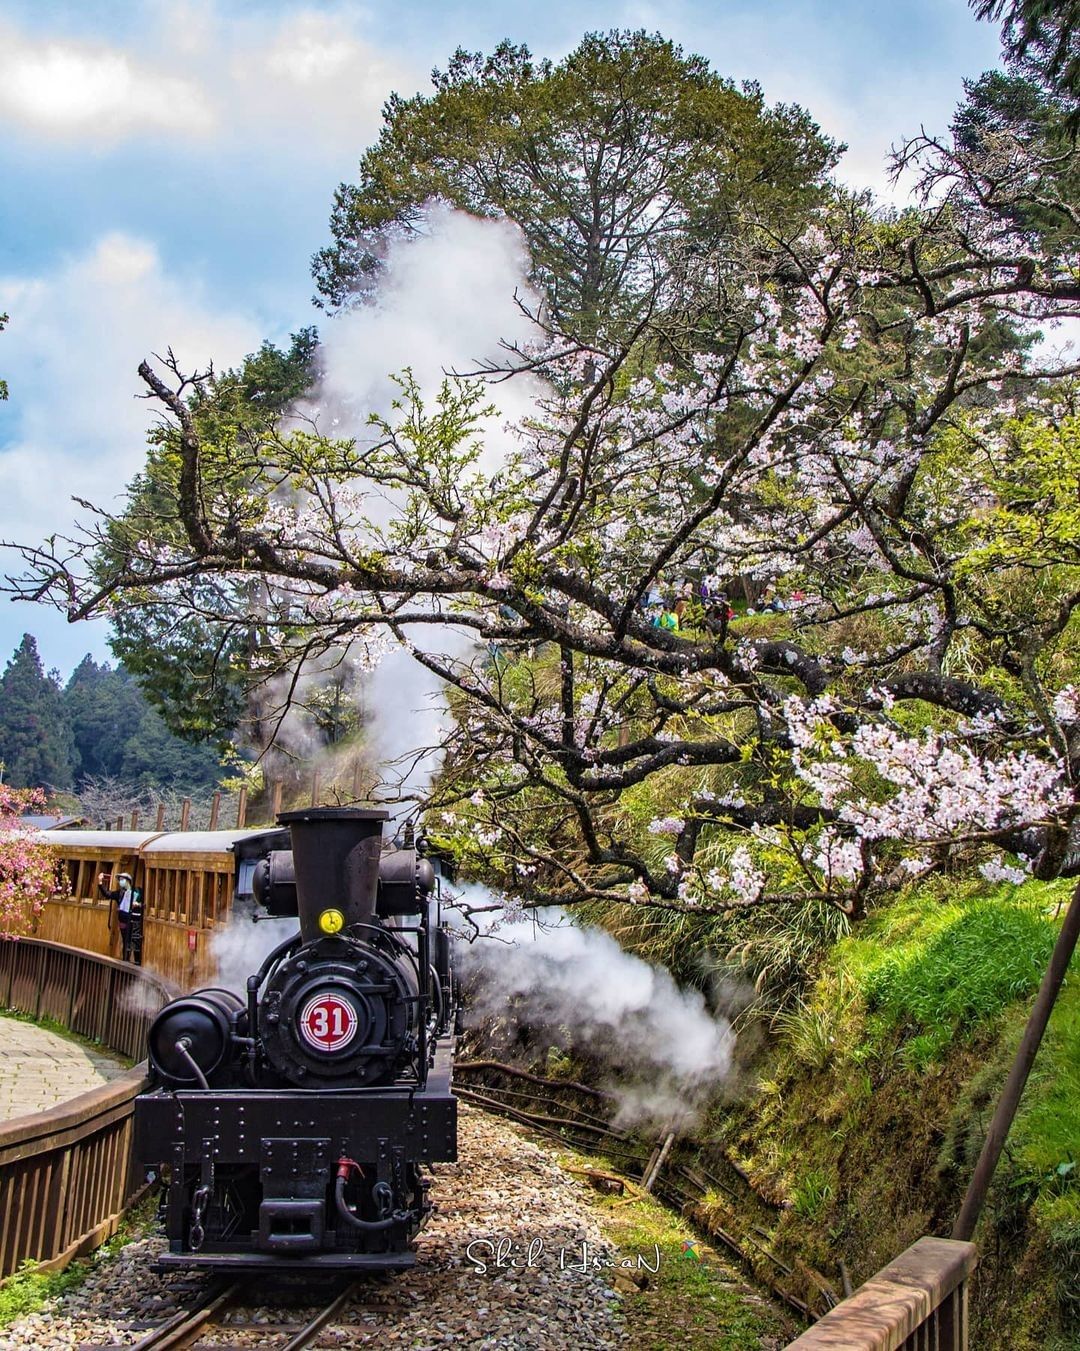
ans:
(65, 1173)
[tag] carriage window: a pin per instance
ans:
(86, 881)
(156, 879)
(223, 889)
(192, 889)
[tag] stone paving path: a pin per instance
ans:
(40, 1069)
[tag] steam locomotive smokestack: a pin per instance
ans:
(336, 854)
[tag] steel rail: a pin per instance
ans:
(306, 1333)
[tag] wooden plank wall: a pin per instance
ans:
(66, 1174)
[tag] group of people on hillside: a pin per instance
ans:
(697, 605)
(686, 605)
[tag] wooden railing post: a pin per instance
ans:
(919, 1300)
(215, 804)
(159, 824)
(241, 807)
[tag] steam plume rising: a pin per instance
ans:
(240, 947)
(667, 1052)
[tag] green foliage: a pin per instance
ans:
(104, 707)
(198, 672)
(812, 1195)
(809, 1031)
(31, 1289)
(120, 735)
(153, 757)
(625, 130)
(1016, 107)
(36, 745)
(1041, 37)
(872, 1142)
(98, 726)
(956, 966)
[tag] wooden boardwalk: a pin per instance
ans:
(41, 1069)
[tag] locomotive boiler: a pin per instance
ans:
(291, 1125)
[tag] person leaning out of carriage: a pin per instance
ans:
(128, 900)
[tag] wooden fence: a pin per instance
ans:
(65, 1174)
(919, 1302)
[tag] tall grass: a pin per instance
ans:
(935, 969)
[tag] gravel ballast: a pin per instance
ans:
(506, 1205)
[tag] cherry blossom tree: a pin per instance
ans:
(861, 428)
(27, 867)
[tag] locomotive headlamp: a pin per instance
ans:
(331, 921)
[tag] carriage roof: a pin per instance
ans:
(122, 841)
(151, 841)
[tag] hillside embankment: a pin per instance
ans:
(854, 1116)
(864, 1113)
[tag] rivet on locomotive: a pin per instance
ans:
(291, 1128)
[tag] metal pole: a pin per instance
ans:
(1009, 1101)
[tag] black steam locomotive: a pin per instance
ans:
(291, 1127)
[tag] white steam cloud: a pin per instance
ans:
(409, 714)
(450, 299)
(667, 1053)
(239, 949)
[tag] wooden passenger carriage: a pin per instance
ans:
(190, 882)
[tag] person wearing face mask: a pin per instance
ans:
(128, 900)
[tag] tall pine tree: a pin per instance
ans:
(105, 707)
(36, 743)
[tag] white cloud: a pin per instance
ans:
(94, 91)
(71, 349)
(311, 79)
(307, 78)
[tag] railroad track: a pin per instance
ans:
(185, 1329)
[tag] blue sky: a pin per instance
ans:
(166, 171)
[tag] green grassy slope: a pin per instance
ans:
(871, 1103)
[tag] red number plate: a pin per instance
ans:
(328, 1022)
